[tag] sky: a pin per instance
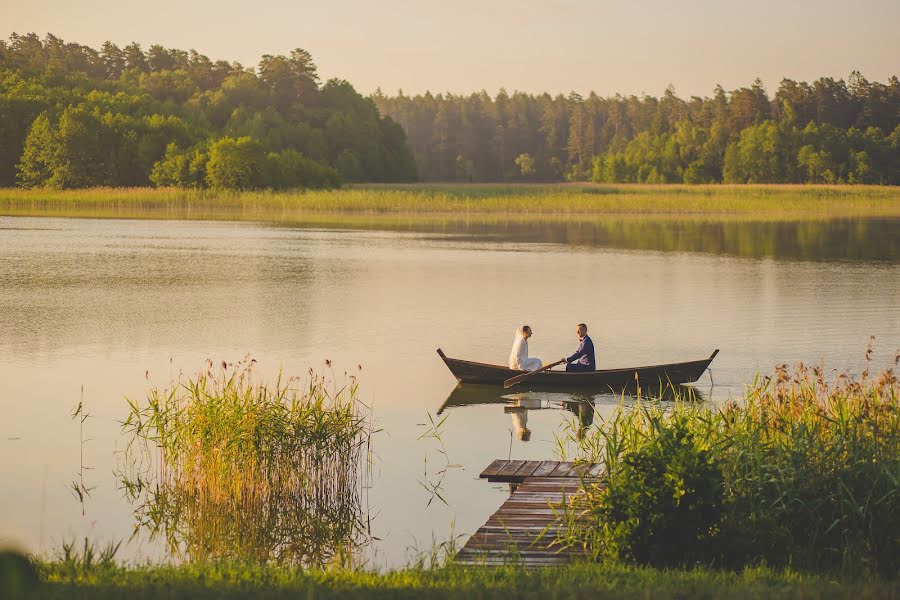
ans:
(461, 46)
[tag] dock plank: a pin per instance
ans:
(510, 468)
(528, 468)
(493, 468)
(562, 469)
(516, 471)
(545, 468)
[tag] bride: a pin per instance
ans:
(518, 357)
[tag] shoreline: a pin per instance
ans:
(472, 204)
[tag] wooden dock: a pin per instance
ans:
(516, 471)
(523, 530)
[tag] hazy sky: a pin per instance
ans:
(466, 45)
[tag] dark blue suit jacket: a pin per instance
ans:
(585, 353)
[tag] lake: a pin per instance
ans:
(102, 309)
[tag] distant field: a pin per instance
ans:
(477, 202)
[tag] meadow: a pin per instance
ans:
(386, 204)
(62, 580)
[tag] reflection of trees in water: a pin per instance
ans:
(223, 467)
(863, 239)
(868, 238)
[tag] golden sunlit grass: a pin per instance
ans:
(459, 201)
(223, 465)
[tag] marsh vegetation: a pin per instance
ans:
(224, 465)
(511, 202)
(804, 471)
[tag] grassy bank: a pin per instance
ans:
(60, 580)
(488, 203)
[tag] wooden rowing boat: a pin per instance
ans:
(612, 379)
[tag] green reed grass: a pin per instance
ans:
(224, 465)
(803, 471)
(519, 202)
(240, 580)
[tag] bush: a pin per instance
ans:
(802, 473)
(669, 494)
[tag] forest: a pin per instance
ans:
(830, 131)
(74, 117)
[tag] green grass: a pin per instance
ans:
(803, 471)
(480, 203)
(575, 581)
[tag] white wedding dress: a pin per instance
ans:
(518, 357)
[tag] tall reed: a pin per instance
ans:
(224, 465)
(804, 471)
(511, 201)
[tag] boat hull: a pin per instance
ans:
(613, 379)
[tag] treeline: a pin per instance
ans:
(831, 131)
(72, 116)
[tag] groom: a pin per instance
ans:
(583, 359)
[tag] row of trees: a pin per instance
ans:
(827, 131)
(72, 116)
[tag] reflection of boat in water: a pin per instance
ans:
(607, 379)
(518, 404)
(478, 395)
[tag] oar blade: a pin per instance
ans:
(518, 378)
(514, 380)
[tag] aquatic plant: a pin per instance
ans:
(515, 202)
(803, 471)
(433, 481)
(79, 489)
(224, 465)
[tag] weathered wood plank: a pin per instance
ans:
(528, 468)
(545, 468)
(510, 468)
(493, 468)
(562, 469)
(579, 470)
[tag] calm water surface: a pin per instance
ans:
(103, 305)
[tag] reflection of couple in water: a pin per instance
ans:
(582, 407)
(582, 360)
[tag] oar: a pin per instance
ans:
(519, 378)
